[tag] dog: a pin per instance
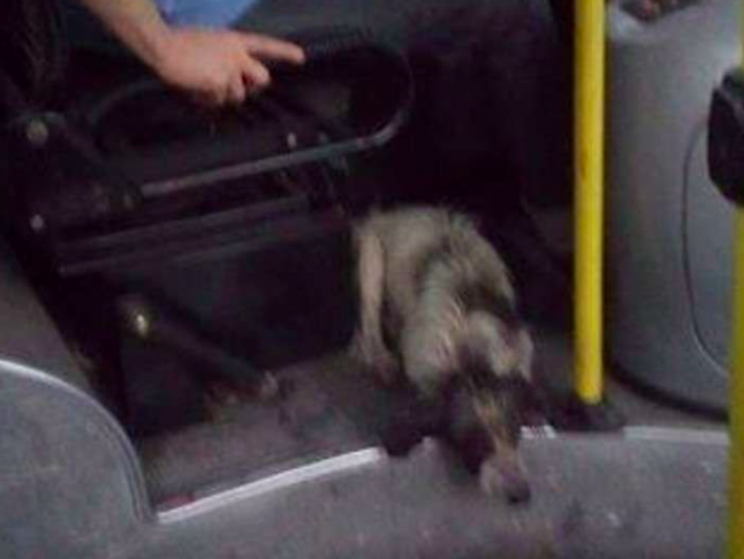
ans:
(438, 310)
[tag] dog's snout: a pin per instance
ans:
(506, 477)
(516, 489)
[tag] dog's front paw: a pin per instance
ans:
(359, 349)
(376, 358)
(386, 367)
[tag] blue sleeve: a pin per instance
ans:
(207, 13)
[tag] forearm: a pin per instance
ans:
(137, 23)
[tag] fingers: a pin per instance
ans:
(236, 90)
(268, 48)
(260, 48)
(254, 74)
(211, 98)
(225, 67)
(248, 78)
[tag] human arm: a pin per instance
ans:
(214, 66)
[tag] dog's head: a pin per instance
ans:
(489, 400)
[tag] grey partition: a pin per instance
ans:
(670, 232)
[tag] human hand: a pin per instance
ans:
(219, 67)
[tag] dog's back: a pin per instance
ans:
(445, 289)
(427, 249)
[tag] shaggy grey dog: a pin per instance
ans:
(438, 306)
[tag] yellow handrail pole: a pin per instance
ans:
(589, 112)
(735, 540)
(735, 545)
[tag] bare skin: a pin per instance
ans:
(215, 67)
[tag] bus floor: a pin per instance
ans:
(656, 489)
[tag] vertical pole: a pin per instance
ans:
(589, 186)
(735, 545)
(735, 541)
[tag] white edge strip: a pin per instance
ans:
(283, 480)
(702, 435)
(539, 432)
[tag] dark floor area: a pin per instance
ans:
(247, 439)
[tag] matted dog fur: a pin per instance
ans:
(437, 305)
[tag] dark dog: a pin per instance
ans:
(437, 304)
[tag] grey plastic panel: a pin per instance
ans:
(26, 331)
(70, 483)
(661, 79)
(709, 233)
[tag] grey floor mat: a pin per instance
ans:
(332, 407)
(593, 497)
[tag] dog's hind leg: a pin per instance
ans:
(369, 344)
